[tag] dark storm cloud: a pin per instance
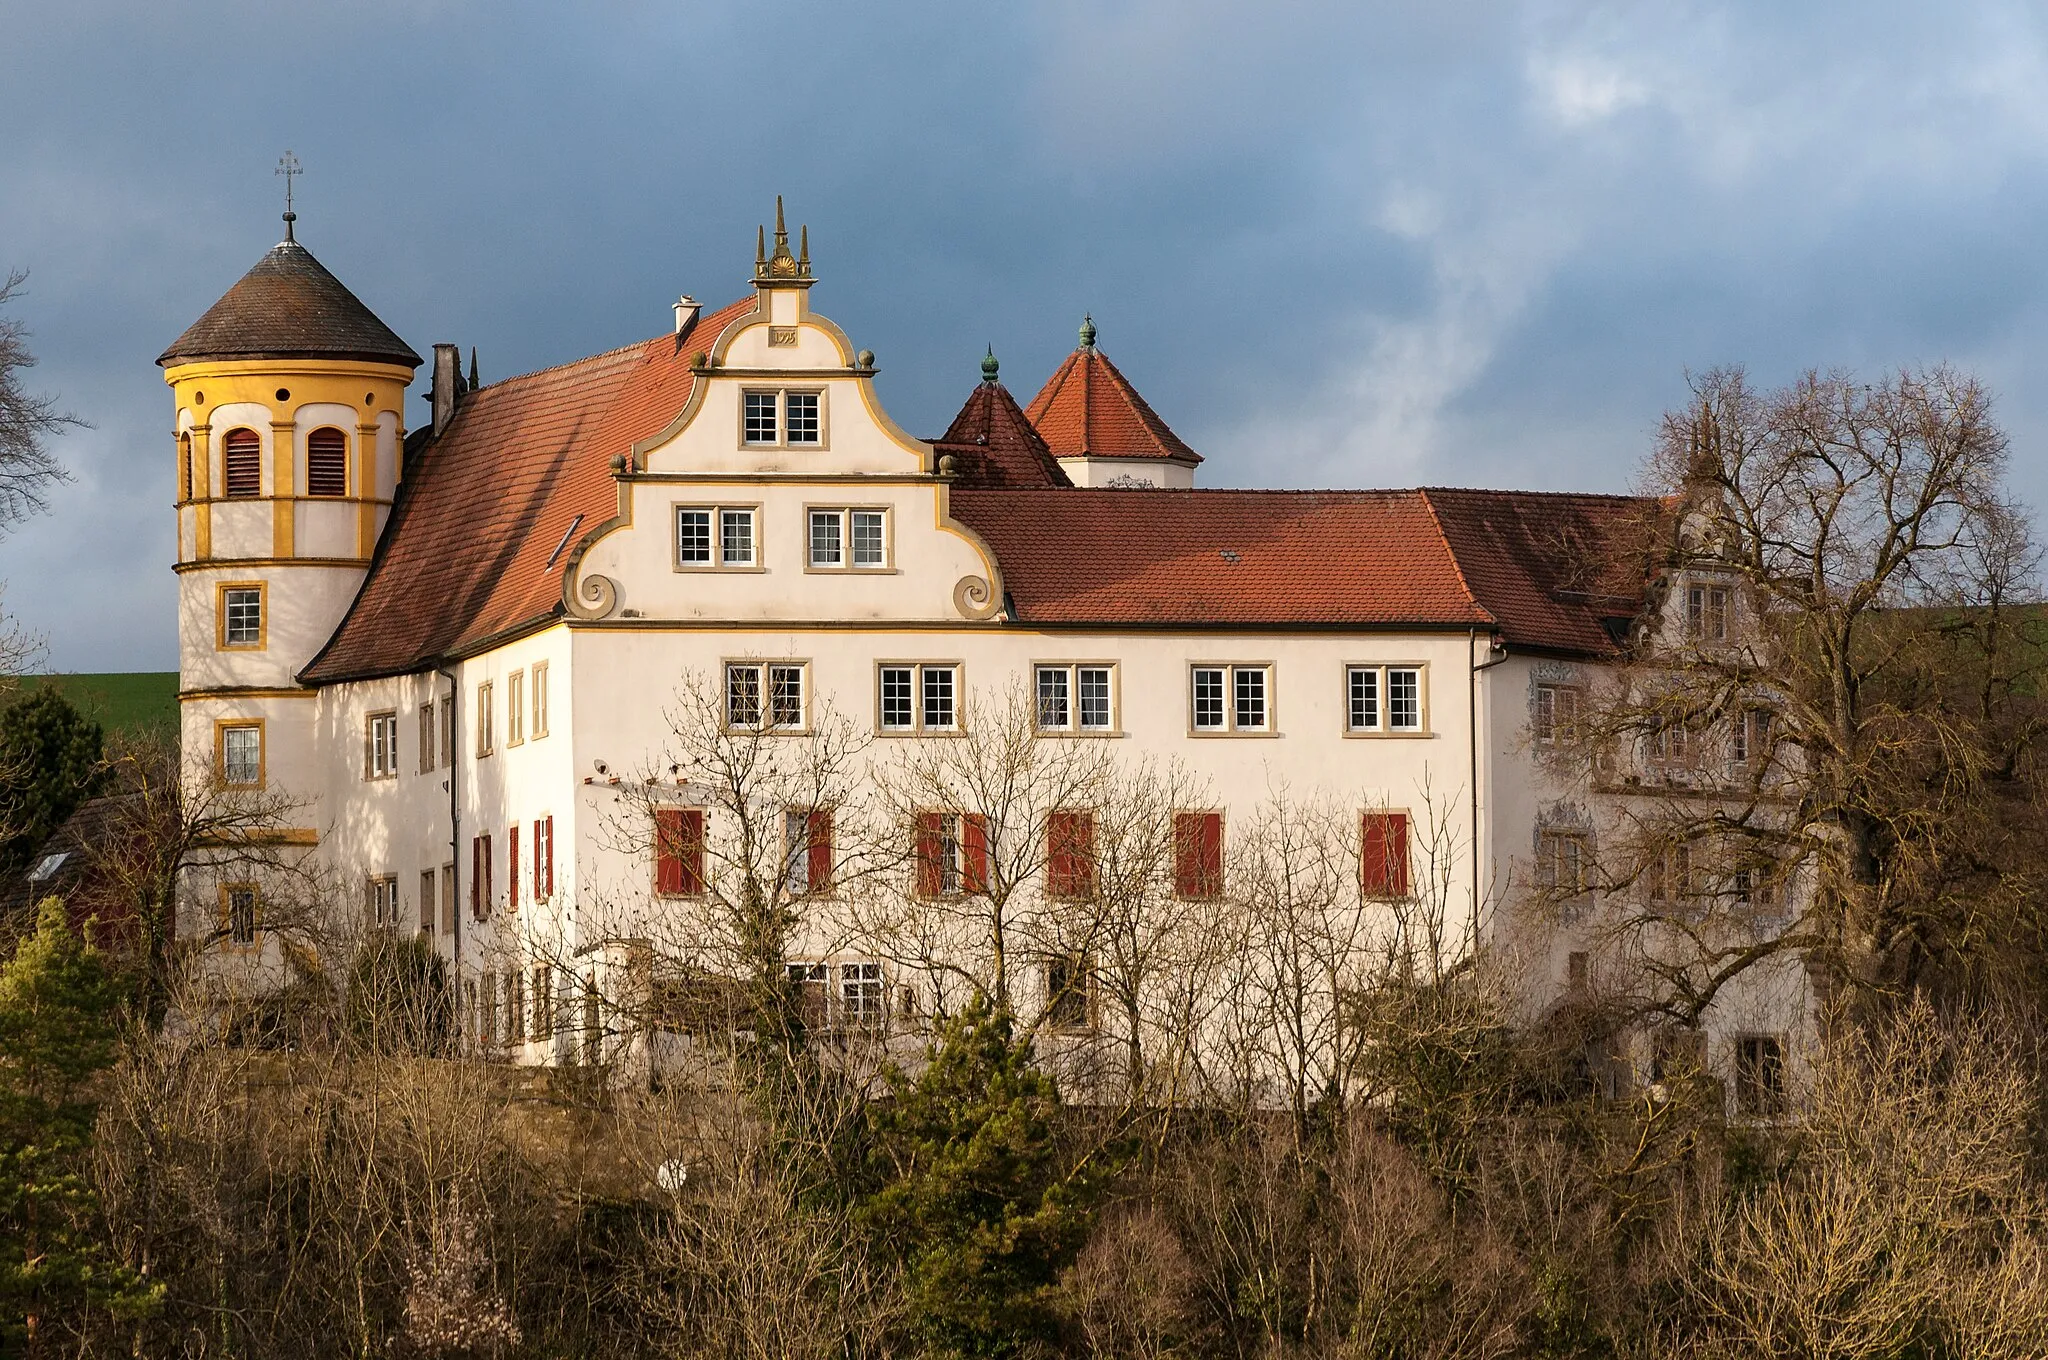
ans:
(1334, 244)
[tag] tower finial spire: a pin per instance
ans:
(288, 166)
(1087, 331)
(989, 366)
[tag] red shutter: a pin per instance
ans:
(1070, 854)
(678, 851)
(476, 877)
(512, 868)
(974, 852)
(1198, 854)
(547, 862)
(489, 890)
(242, 453)
(327, 462)
(1383, 854)
(930, 846)
(818, 851)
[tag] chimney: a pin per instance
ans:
(447, 380)
(686, 312)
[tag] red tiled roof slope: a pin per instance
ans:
(1087, 407)
(993, 444)
(289, 306)
(1162, 557)
(483, 507)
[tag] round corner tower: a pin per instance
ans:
(290, 402)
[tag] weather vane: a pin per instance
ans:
(288, 165)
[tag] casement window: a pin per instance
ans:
(1383, 699)
(480, 877)
(327, 462)
(1556, 720)
(1759, 1075)
(952, 854)
(380, 746)
(240, 913)
(1668, 876)
(1669, 740)
(515, 708)
(765, 696)
(1561, 863)
(1070, 992)
(842, 539)
(487, 1010)
(515, 1007)
(1749, 737)
(679, 852)
(448, 899)
(1231, 698)
(717, 536)
(1198, 855)
(1756, 887)
(448, 729)
(807, 851)
(1578, 972)
(917, 697)
(427, 737)
(543, 1002)
(1075, 698)
(241, 754)
(811, 982)
(428, 883)
(484, 736)
(540, 699)
(1383, 854)
(863, 1002)
(1706, 613)
(242, 457)
(543, 858)
(241, 616)
(1070, 854)
(383, 895)
(512, 868)
(793, 418)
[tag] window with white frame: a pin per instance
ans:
(384, 902)
(843, 539)
(772, 418)
(918, 696)
(863, 1003)
(515, 708)
(717, 536)
(239, 912)
(1561, 863)
(1706, 613)
(1383, 698)
(1750, 737)
(241, 754)
(1076, 697)
(381, 747)
(1226, 699)
(484, 739)
(241, 610)
(765, 695)
(1556, 720)
(540, 699)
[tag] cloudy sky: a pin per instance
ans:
(1341, 244)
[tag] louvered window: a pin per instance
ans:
(242, 451)
(327, 462)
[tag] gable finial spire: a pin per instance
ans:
(1087, 331)
(780, 264)
(288, 166)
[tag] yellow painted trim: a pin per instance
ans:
(283, 835)
(220, 764)
(220, 616)
(188, 696)
(249, 563)
(284, 452)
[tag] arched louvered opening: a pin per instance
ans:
(327, 462)
(242, 452)
(184, 467)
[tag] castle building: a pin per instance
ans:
(452, 652)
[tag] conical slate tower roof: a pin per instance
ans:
(289, 307)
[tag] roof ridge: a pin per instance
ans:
(609, 353)
(1443, 537)
(1555, 495)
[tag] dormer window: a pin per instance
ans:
(783, 419)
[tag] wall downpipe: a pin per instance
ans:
(454, 837)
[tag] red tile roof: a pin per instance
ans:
(1280, 559)
(992, 443)
(465, 557)
(1087, 407)
(289, 307)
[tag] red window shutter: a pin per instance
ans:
(512, 868)
(476, 877)
(818, 851)
(671, 851)
(242, 454)
(1070, 854)
(327, 462)
(547, 861)
(930, 846)
(1198, 854)
(1383, 854)
(974, 853)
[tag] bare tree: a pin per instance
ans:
(27, 421)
